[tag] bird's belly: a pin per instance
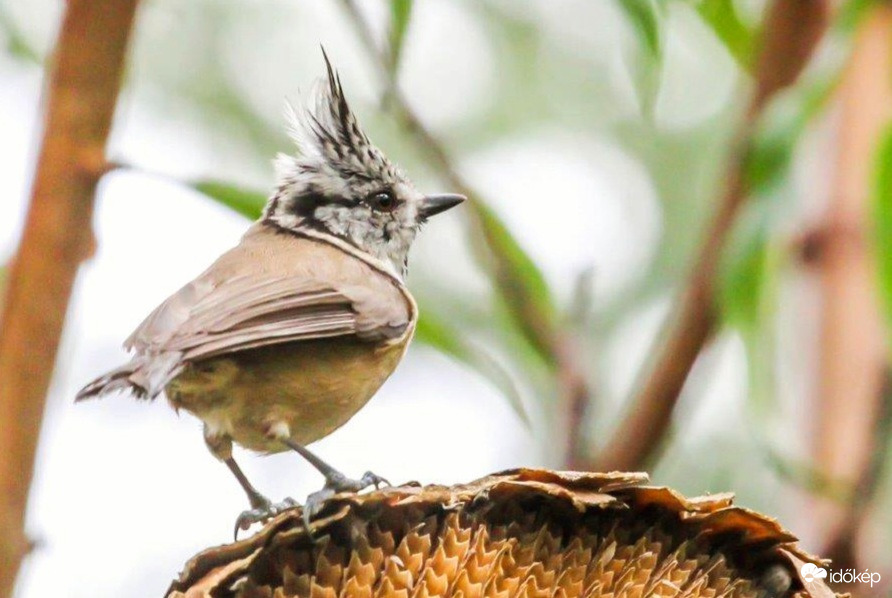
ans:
(312, 387)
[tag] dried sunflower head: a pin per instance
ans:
(518, 533)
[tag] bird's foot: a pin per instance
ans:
(335, 483)
(262, 511)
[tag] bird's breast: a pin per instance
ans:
(312, 386)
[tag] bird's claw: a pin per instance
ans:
(314, 504)
(336, 483)
(373, 479)
(261, 514)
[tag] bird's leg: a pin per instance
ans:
(335, 481)
(261, 507)
(257, 500)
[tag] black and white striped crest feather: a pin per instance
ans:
(326, 186)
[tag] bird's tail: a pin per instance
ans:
(145, 376)
(118, 379)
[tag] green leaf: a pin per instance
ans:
(520, 283)
(882, 220)
(744, 274)
(808, 477)
(747, 294)
(770, 155)
(17, 45)
(850, 13)
(400, 13)
(437, 334)
(644, 16)
(737, 37)
(246, 202)
(771, 151)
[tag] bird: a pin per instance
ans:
(291, 332)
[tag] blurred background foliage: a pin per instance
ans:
(594, 137)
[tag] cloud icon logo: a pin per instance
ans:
(810, 572)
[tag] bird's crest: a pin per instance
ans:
(334, 151)
(340, 185)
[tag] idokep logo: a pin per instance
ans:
(811, 573)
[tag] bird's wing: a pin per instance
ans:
(247, 313)
(272, 288)
(275, 290)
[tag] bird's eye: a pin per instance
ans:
(383, 200)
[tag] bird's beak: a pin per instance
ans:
(434, 204)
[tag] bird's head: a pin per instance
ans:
(341, 185)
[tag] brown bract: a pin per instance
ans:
(523, 532)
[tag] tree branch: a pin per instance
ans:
(850, 424)
(791, 31)
(82, 92)
(841, 544)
